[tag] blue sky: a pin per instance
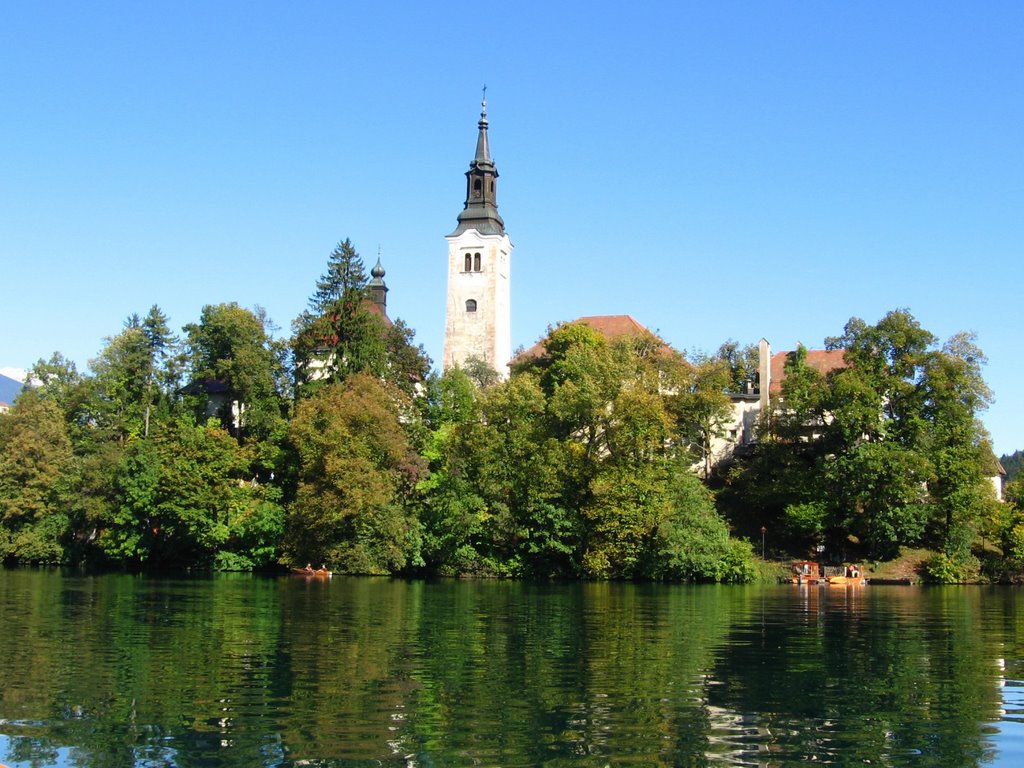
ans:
(718, 170)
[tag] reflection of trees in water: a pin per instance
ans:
(887, 676)
(249, 671)
(575, 671)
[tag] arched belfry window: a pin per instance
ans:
(469, 262)
(471, 305)
(476, 262)
(477, 186)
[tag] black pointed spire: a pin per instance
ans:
(483, 151)
(480, 211)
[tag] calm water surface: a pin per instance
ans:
(247, 671)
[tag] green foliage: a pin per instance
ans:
(885, 450)
(625, 508)
(235, 370)
(255, 528)
(339, 334)
(741, 362)
(1013, 544)
(569, 469)
(1012, 463)
(692, 541)
(806, 522)
(581, 464)
(37, 471)
(342, 333)
(480, 372)
(355, 468)
(879, 490)
(57, 379)
(184, 499)
(1014, 492)
(698, 401)
(117, 405)
(943, 568)
(127, 527)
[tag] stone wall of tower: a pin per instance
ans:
(486, 331)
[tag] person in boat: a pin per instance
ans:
(309, 568)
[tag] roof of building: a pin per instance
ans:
(480, 211)
(612, 327)
(824, 361)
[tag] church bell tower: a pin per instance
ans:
(478, 321)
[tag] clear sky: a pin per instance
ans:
(718, 170)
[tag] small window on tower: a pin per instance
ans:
(476, 262)
(476, 187)
(471, 305)
(469, 262)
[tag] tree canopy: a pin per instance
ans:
(599, 458)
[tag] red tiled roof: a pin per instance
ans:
(612, 327)
(824, 361)
(378, 310)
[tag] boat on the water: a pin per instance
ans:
(311, 573)
(806, 572)
(809, 572)
(846, 581)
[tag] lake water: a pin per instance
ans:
(247, 671)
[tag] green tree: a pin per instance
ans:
(700, 405)
(339, 334)
(691, 541)
(342, 333)
(37, 470)
(58, 379)
(886, 450)
(480, 372)
(953, 392)
(1012, 463)
(117, 391)
(234, 363)
(356, 468)
(625, 506)
(529, 478)
(163, 365)
(742, 362)
(880, 495)
(452, 512)
(188, 498)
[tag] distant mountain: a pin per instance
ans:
(9, 389)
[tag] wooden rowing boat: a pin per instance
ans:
(322, 573)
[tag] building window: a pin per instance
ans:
(471, 305)
(469, 262)
(476, 262)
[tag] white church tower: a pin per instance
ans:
(479, 310)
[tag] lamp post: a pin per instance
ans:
(763, 532)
